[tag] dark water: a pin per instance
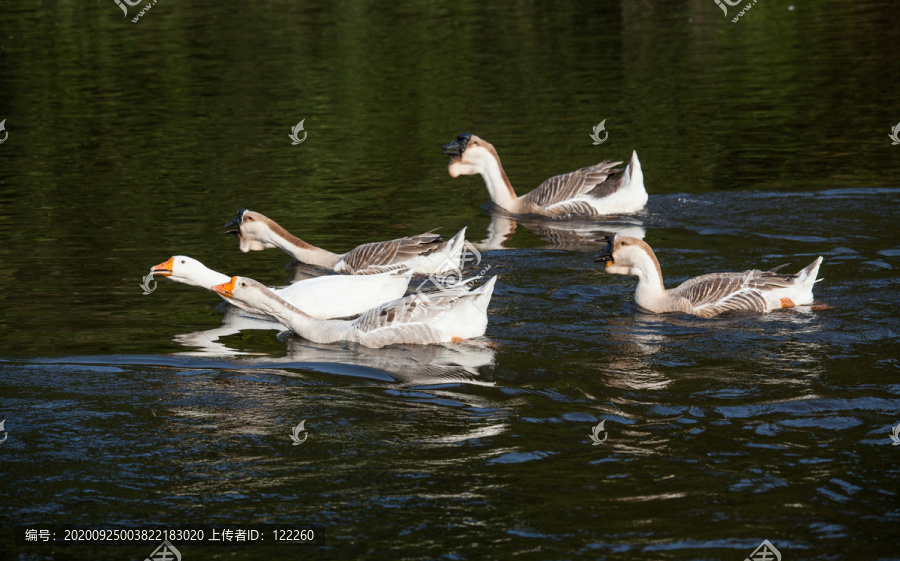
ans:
(763, 142)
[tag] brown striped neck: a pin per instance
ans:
(503, 178)
(498, 185)
(650, 292)
(275, 235)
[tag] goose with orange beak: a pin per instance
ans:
(450, 315)
(592, 191)
(330, 296)
(707, 295)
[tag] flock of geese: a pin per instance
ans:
(373, 279)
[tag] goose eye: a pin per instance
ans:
(182, 261)
(248, 218)
(243, 284)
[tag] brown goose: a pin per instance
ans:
(706, 295)
(425, 254)
(591, 191)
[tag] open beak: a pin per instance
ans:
(235, 223)
(606, 254)
(164, 269)
(456, 148)
(226, 289)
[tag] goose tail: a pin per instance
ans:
(633, 180)
(456, 247)
(807, 277)
(484, 293)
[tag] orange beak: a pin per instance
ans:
(164, 269)
(226, 289)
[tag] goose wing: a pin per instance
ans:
(557, 195)
(408, 319)
(379, 257)
(713, 294)
(415, 308)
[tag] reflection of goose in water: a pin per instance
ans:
(418, 365)
(572, 235)
(233, 321)
(632, 365)
(413, 365)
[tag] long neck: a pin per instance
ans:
(299, 249)
(650, 289)
(210, 278)
(498, 184)
(308, 327)
(203, 277)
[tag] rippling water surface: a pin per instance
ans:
(763, 142)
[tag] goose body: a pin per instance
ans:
(425, 254)
(592, 191)
(706, 295)
(444, 316)
(332, 296)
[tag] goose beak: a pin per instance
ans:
(164, 269)
(605, 255)
(235, 223)
(456, 148)
(226, 289)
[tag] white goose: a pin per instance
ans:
(706, 295)
(332, 296)
(590, 191)
(425, 253)
(450, 315)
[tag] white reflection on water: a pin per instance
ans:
(233, 322)
(559, 234)
(407, 364)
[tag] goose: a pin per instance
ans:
(332, 296)
(453, 314)
(590, 191)
(426, 253)
(707, 295)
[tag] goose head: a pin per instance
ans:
(186, 270)
(245, 291)
(252, 230)
(625, 255)
(469, 155)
